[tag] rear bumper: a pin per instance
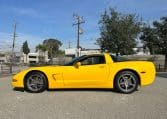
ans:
(148, 77)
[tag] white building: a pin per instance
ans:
(72, 52)
(141, 51)
(3, 59)
(35, 57)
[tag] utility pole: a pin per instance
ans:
(51, 54)
(79, 30)
(69, 44)
(13, 46)
(14, 38)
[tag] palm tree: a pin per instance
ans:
(43, 49)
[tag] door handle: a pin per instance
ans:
(101, 66)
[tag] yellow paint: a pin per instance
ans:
(89, 76)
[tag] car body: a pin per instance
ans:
(88, 71)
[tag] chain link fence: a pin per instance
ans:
(160, 67)
(158, 60)
(5, 68)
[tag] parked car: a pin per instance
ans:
(88, 71)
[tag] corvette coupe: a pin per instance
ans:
(88, 71)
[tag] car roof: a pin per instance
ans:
(96, 54)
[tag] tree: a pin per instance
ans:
(61, 53)
(2, 55)
(53, 46)
(161, 32)
(43, 49)
(26, 49)
(149, 39)
(118, 32)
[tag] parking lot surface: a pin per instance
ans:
(149, 102)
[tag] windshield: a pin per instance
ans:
(70, 63)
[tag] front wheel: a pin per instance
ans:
(35, 82)
(126, 82)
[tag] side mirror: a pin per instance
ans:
(77, 64)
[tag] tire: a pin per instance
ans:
(126, 82)
(35, 82)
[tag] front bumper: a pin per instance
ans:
(18, 81)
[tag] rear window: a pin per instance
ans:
(119, 58)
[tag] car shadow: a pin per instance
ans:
(75, 90)
(72, 90)
(19, 89)
(83, 90)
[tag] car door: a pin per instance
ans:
(93, 72)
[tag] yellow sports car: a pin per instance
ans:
(88, 71)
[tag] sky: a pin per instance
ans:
(38, 20)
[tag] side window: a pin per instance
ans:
(92, 60)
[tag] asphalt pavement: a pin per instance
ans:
(148, 102)
(162, 74)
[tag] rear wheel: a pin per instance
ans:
(35, 82)
(126, 82)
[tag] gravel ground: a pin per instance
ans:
(149, 102)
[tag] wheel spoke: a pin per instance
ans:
(36, 87)
(131, 84)
(35, 82)
(127, 82)
(122, 83)
(32, 84)
(126, 88)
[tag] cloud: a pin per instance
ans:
(29, 12)
(87, 40)
(33, 41)
(6, 41)
(23, 11)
